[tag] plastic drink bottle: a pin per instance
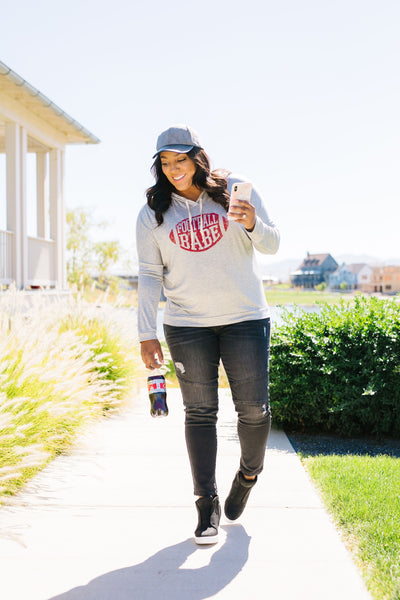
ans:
(158, 395)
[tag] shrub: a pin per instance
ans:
(338, 370)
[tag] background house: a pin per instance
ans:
(364, 277)
(356, 276)
(314, 269)
(386, 279)
(31, 124)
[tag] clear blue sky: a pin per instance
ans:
(301, 96)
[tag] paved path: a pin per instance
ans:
(114, 521)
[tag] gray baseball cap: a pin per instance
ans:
(179, 138)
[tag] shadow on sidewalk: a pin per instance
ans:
(329, 444)
(160, 576)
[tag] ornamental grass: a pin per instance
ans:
(63, 364)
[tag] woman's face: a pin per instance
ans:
(179, 169)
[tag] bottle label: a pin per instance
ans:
(157, 385)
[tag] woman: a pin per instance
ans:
(215, 310)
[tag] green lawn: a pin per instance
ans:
(281, 295)
(363, 495)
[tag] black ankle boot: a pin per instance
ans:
(238, 496)
(209, 512)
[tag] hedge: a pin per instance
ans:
(338, 370)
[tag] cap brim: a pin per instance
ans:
(179, 148)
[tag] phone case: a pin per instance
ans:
(240, 191)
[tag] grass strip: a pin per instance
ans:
(363, 495)
(280, 296)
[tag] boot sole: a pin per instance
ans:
(230, 518)
(206, 540)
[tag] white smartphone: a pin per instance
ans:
(240, 191)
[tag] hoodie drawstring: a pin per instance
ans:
(201, 216)
(191, 226)
(191, 223)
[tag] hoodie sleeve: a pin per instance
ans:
(265, 235)
(150, 275)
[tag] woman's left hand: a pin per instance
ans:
(243, 212)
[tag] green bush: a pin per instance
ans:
(338, 370)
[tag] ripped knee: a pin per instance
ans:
(254, 413)
(180, 367)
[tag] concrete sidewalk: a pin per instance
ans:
(115, 519)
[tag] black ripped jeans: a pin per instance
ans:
(244, 350)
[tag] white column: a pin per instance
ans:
(63, 264)
(42, 194)
(23, 148)
(13, 196)
(57, 212)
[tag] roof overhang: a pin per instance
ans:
(13, 87)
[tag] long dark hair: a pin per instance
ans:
(214, 183)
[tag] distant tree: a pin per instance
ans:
(79, 247)
(105, 255)
(321, 287)
(343, 286)
(85, 256)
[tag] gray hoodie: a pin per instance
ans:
(205, 263)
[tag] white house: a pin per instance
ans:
(364, 277)
(31, 123)
(356, 276)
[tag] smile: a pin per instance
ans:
(178, 178)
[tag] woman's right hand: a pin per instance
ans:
(152, 354)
